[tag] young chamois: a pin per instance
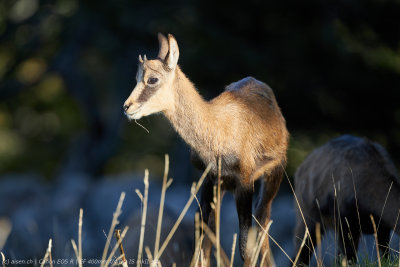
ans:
(243, 127)
(339, 185)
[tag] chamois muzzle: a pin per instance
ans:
(125, 107)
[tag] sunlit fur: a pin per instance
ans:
(347, 179)
(243, 125)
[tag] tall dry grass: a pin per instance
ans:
(255, 239)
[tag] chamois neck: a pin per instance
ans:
(191, 115)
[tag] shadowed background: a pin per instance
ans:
(67, 66)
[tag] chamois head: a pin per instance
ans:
(154, 78)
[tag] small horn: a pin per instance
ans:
(145, 58)
(140, 59)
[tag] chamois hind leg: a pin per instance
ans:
(270, 187)
(244, 198)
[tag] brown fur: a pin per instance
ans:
(362, 172)
(243, 125)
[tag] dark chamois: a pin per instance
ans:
(243, 126)
(348, 178)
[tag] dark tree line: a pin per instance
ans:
(67, 66)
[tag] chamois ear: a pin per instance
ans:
(173, 53)
(163, 44)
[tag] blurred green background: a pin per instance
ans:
(66, 67)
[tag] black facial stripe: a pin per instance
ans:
(147, 93)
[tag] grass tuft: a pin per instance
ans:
(78, 250)
(3, 259)
(104, 259)
(144, 214)
(47, 257)
(202, 231)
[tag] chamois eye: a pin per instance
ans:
(152, 80)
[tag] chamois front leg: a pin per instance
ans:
(243, 197)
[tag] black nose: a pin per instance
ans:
(125, 107)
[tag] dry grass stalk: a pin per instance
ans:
(5, 230)
(344, 262)
(47, 255)
(199, 237)
(276, 243)
(272, 239)
(302, 217)
(75, 247)
(195, 188)
(197, 241)
(80, 236)
(395, 226)
(352, 239)
(384, 205)
(260, 242)
(49, 249)
(318, 238)
(213, 239)
(116, 246)
(149, 256)
(357, 209)
(161, 208)
(256, 252)
(307, 233)
(264, 258)
(218, 215)
(376, 239)
(78, 249)
(355, 197)
(301, 248)
(196, 228)
(144, 128)
(121, 248)
(118, 262)
(251, 243)
(114, 223)
(201, 215)
(389, 249)
(202, 259)
(199, 234)
(233, 249)
(336, 204)
(3, 259)
(143, 222)
(197, 255)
